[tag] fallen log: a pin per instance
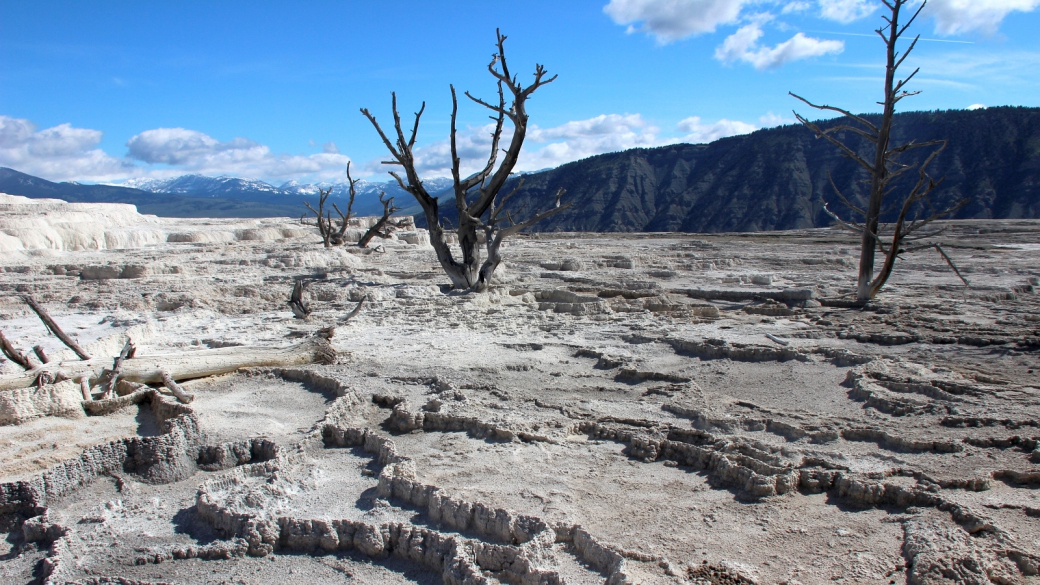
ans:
(180, 366)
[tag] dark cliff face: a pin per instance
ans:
(778, 178)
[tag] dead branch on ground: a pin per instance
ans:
(12, 353)
(175, 388)
(109, 378)
(179, 366)
(54, 328)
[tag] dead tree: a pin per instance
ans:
(331, 235)
(915, 209)
(477, 198)
(384, 227)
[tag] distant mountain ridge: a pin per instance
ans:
(771, 179)
(16, 183)
(366, 202)
(777, 178)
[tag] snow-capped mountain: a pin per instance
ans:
(365, 203)
(201, 186)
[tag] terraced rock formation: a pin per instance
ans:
(635, 409)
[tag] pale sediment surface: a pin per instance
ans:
(612, 411)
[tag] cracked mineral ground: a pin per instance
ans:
(622, 408)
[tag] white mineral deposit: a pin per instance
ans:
(616, 408)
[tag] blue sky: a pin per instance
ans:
(109, 91)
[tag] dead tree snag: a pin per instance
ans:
(477, 198)
(331, 235)
(384, 226)
(886, 167)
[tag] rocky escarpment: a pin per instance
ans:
(777, 178)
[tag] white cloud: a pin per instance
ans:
(846, 11)
(64, 153)
(59, 153)
(743, 46)
(961, 16)
(698, 132)
(196, 152)
(584, 138)
(797, 6)
(543, 147)
(770, 120)
(977, 107)
(671, 20)
(552, 147)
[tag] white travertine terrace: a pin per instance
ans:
(52, 224)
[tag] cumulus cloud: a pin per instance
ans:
(743, 46)
(698, 132)
(543, 147)
(568, 142)
(846, 11)
(59, 153)
(770, 120)
(196, 152)
(962, 16)
(64, 153)
(671, 20)
(797, 6)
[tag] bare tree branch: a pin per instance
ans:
(13, 354)
(53, 327)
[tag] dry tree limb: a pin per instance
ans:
(952, 265)
(183, 365)
(13, 354)
(84, 387)
(354, 313)
(127, 352)
(777, 339)
(68, 341)
(38, 350)
(174, 388)
(946, 257)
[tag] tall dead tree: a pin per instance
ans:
(915, 209)
(480, 209)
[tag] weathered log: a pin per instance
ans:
(182, 366)
(42, 314)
